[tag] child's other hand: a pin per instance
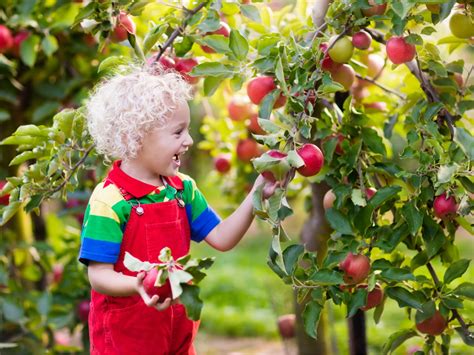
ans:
(153, 301)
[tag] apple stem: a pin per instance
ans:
(179, 29)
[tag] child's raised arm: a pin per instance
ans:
(230, 231)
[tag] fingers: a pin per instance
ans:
(164, 305)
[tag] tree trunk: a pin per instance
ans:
(314, 236)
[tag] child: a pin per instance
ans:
(144, 204)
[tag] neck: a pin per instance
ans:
(134, 170)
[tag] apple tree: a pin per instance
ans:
(361, 110)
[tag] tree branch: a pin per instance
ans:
(179, 29)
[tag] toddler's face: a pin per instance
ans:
(163, 147)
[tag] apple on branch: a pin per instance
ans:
(253, 125)
(286, 325)
(356, 268)
(444, 206)
(124, 25)
(344, 75)
(184, 66)
(435, 325)
(461, 25)
(6, 39)
(222, 163)
(374, 9)
(260, 87)
(247, 149)
(239, 108)
(313, 159)
(340, 50)
(374, 297)
(361, 40)
(399, 50)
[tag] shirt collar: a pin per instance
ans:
(135, 187)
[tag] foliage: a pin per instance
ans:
(417, 149)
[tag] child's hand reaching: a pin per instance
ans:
(153, 301)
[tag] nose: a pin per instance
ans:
(189, 140)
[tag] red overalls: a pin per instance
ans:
(125, 325)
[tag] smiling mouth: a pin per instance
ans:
(177, 160)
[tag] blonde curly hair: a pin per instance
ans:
(125, 106)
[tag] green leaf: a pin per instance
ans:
(191, 301)
(363, 219)
(111, 63)
(455, 270)
(465, 141)
(44, 303)
(49, 45)
(373, 141)
(327, 277)
(251, 12)
(22, 157)
(311, 316)
(358, 299)
(402, 7)
(153, 36)
(397, 274)
(219, 43)
(291, 255)
(45, 110)
(238, 44)
(211, 84)
(384, 194)
(339, 222)
(446, 172)
(465, 105)
(412, 216)
(466, 290)
(12, 311)
(404, 297)
(397, 339)
(29, 50)
(466, 336)
(213, 69)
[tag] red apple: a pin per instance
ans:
(444, 206)
(434, 325)
(247, 149)
(345, 76)
(313, 159)
(328, 200)
(286, 325)
(184, 66)
(399, 51)
(5, 198)
(166, 62)
(123, 27)
(259, 87)
(361, 40)
(374, 9)
(253, 125)
(17, 41)
(222, 163)
(163, 291)
(342, 49)
(374, 297)
(224, 30)
(6, 39)
(278, 171)
(239, 109)
(82, 310)
(359, 92)
(356, 268)
(370, 192)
